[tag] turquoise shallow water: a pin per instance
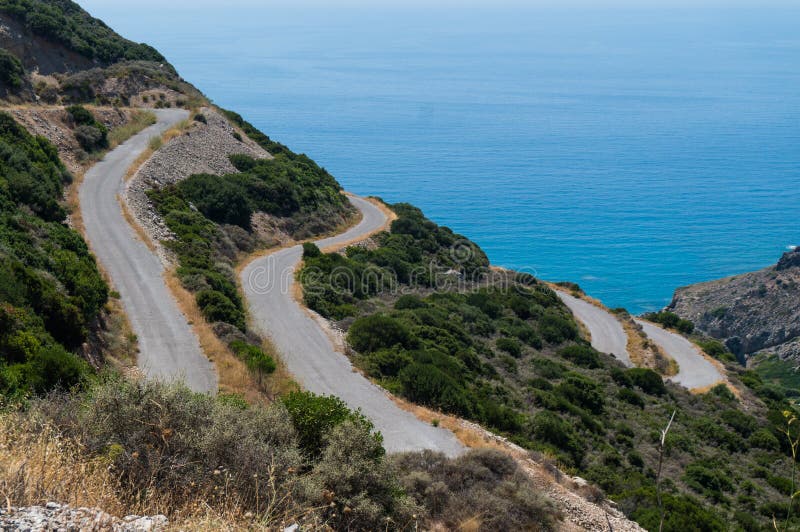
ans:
(632, 151)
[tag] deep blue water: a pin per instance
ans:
(632, 151)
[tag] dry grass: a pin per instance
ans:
(38, 465)
(137, 121)
(140, 232)
(644, 352)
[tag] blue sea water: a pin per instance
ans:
(629, 150)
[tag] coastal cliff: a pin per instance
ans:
(757, 312)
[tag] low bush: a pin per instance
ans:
(581, 354)
(510, 346)
(216, 306)
(484, 483)
(375, 332)
(313, 416)
(647, 380)
(12, 74)
(670, 320)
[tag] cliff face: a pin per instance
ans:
(752, 312)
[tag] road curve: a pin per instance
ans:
(169, 349)
(608, 336)
(310, 354)
(694, 370)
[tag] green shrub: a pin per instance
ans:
(581, 354)
(510, 346)
(742, 423)
(549, 428)
(764, 439)
(548, 369)
(670, 320)
(219, 198)
(708, 479)
(428, 385)
(583, 392)
(254, 357)
(12, 74)
(200, 117)
(366, 493)
(310, 251)
(375, 332)
(631, 397)
(409, 302)
(216, 306)
(716, 349)
(90, 134)
(314, 416)
(722, 391)
(648, 380)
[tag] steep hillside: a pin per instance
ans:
(430, 321)
(51, 293)
(56, 52)
(753, 312)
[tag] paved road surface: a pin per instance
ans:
(608, 336)
(310, 355)
(169, 349)
(695, 371)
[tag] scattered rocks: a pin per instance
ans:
(203, 149)
(62, 517)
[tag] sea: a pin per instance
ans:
(630, 150)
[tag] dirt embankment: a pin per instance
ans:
(53, 124)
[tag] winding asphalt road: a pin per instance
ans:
(608, 336)
(310, 355)
(694, 370)
(169, 349)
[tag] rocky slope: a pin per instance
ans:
(753, 312)
(54, 516)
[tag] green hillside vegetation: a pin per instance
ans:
(50, 289)
(12, 74)
(66, 23)
(504, 351)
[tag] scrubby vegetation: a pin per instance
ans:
(90, 134)
(50, 289)
(147, 448)
(12, 75)
(501, 349)
(670, 320)
(65, 22)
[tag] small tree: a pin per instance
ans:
(658, 474)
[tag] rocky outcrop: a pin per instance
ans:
(54, 516)
(752, 312)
